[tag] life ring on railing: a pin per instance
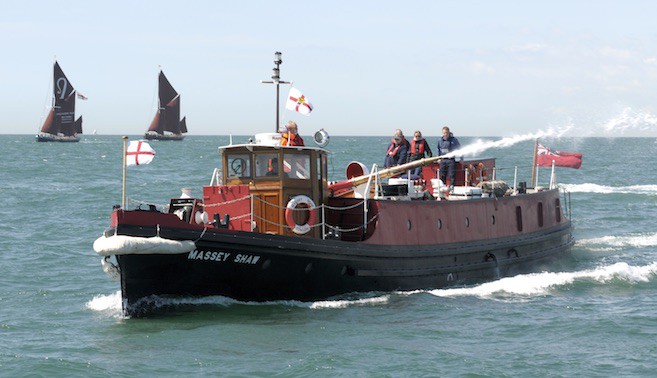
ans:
(292, 207)
(477, 173)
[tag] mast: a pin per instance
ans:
(534, 161)
(276, 79)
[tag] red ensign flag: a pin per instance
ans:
(545, 157)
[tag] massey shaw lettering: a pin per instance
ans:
(222, 257)
(208, 255)
(247, 259)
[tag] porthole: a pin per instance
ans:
(440, 224)
(492, 219)
(467, 222)
(519, 218)
(348, 271)
(408, 224)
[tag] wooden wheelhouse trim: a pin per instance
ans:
(273, 192)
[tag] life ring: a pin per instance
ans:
(477, 173)
(292, 207)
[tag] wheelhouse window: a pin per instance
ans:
(266, 165)
(239, 165)
(296, 166)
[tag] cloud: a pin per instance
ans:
(527, 48)
(650, 61)
(481, 68)
(615, 53)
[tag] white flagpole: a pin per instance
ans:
(125, 141)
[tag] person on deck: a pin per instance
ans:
(446, 144)
(397, 150)
(272, 167)
(291, 136)
(419, 148)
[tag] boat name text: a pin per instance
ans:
(222, 257)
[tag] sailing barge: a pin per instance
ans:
(270, 226)
(60, 124)
(166, 124)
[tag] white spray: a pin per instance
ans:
(480, 146)
(631, 122)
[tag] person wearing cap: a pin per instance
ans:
(397, 150)
(446, 144)
(291, 136)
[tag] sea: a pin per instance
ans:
(591, 314)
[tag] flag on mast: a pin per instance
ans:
(545, 156)
(298, 102)
(139, 153)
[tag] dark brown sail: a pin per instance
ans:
(183, 125)
(166, 91)
(172, 118)
(64, 102)
(61, 125)
(167, 117)
(78, 125)
(155, 124)
(49, 124)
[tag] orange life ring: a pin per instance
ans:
(477, 173)
(292, 207)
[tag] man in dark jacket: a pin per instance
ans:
(446, 144)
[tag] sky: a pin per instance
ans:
(484, 68)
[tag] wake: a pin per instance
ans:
(610, 243)
(518, 287)
(536, 284)
(650, 190)
(110, 305)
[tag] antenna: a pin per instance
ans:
(276, 76)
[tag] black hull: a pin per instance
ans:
(57, 138)
(164, 136)
(259, 267)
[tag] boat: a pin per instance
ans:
(60, 124)
(166, 124)
(271, 226)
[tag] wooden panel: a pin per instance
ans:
(272, 213)
(268, 215)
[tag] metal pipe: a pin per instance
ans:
(384, 173)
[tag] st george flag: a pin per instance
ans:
(298, 102)
(545, 157)
(139, 153)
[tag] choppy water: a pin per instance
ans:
(595, 314)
